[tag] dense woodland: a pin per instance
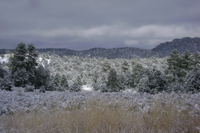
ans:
(31, 70)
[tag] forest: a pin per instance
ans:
(31, 70)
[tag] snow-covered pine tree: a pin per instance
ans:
(186, 61)
(32, 56)
(75, 87)
(42, 76)
(156, 82)
(18, 66)
(5, 81)
(196, 60)
(64, 82)
(79, 81)
(20, 77)
(23, 64)
(125, 66)
(19, 58)
(193, 81)
(122, 80)
(112, 83)
(174, 64)
(56, 81)
(106, 66)
(137, 74)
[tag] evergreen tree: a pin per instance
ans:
(56, 81)
(137, 74)
(18, 61)
(42, 76)
(106, 66)
(23, 64)
(122, 80)
(125, 66)
(32, 55)
(174, 64)
(156, 82)
(75, 87)
(186, 61)
(196, 60)
(5, 81)
(112, 83)
(20, 77)
(64, 82)
(79, 81)
(130, 80)
(193, 81)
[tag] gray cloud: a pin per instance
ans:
(86, 24)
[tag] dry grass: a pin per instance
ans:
(105, 116)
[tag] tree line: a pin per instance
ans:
(181, 73)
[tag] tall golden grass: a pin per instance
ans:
(106, 116)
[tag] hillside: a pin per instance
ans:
(162, 50)
(187, 43)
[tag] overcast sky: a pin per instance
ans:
(84, 24)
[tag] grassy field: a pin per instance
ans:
(105, 115)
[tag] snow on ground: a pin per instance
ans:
(86, 88)
(17, 100)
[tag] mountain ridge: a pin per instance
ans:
(186, 43)
(161, 50)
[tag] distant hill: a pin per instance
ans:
(126, 52)
(162, 50)
(187, 43)
(113, 53)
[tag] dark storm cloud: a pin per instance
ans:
(85, 24)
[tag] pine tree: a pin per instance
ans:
(64, 82)
(125, 66)
(196, 60)
(18, 61)
(56, 81)
(137, 74)
(174, 64)
(155, 83)
(42, 76)
(32, 55)
(75, 87)
(20, 77)
(5, 81)
(106, 66)
(79, 81)
(186, 61)
(193, 81)
(112, 83)
(23, 65)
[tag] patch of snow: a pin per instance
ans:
(4, 58)
(40, 59)
(129, 91)
(48, 61)
(86, 88)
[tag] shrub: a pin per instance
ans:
(75, 87)
(29, 88)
